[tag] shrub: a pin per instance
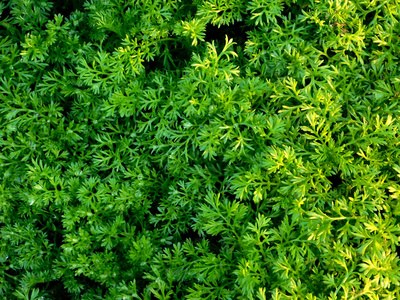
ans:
(199, 149)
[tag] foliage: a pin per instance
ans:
(210, 149)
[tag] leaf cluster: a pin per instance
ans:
(141, 159)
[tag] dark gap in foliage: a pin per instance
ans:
(190, 234)
(98, 250)
(220, 166)
(180, 55)
(307, 81)
(290, 12)
(351, 191)
(316, 262)
(10, 271)
(345, 113)
(187, 8)
(55, 289)
(214, 243)
(180, 294)
(126, 268)
(54, 236)
(369, 17)
(351, 55)
(387, 193)
(276, 216)
(330, 53)
(32, 86)
(221, 178)
(103, 174)
(218, 186)
(336, 180)
(46, 223)
(63, 167)
(153, 65)
(153, 210)
(5, 13)
(237, 31)
(94, 190)
(352, 222)
(89, 283)
(66, 104)
(50, 65)
(230, 196)
(13, 273)
(111, 42)
(15, 31)
(253, 206)
(66, 7)
(398, 251)
(129, 270)
(340, 224)
(324, 58)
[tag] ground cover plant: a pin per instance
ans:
(174, 149)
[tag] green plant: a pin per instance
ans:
(199, 149)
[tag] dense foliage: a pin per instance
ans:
(174, 149)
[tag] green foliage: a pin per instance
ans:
(199, 149)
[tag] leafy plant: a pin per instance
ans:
(199, 149)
